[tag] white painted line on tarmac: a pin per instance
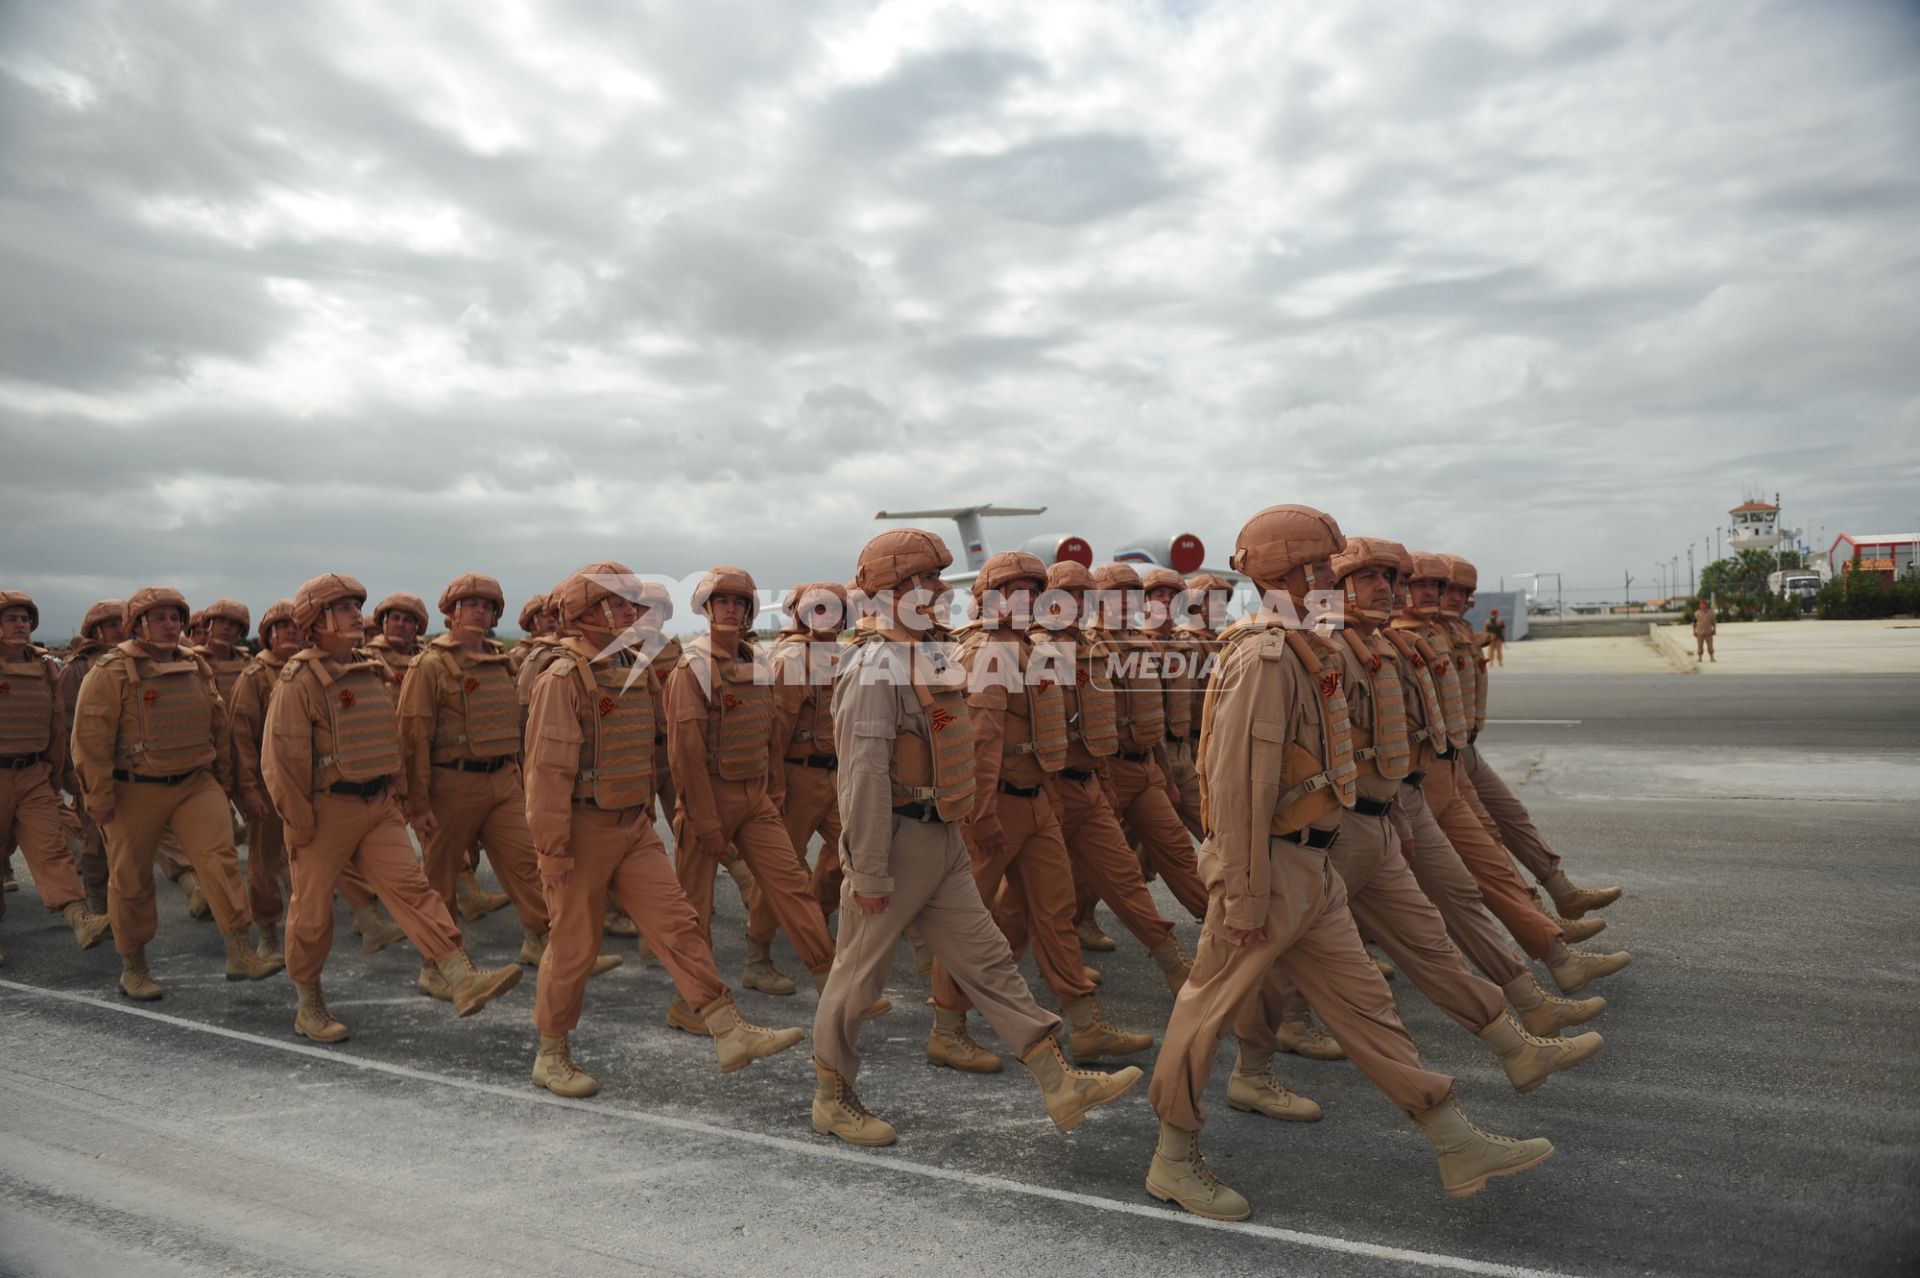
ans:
(830, 1150)
(1561, 723)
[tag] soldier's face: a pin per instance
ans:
(345, 620)
(1372, 589)
(283, 638)
(651, 618)
(16, 625)
(400, 627)
(823, 617)
(727, 612)
(1160, 603)
(619, 615)
(1456, 598)
(475, 614)
(223, 631)
(161, 627)
(1425, 593)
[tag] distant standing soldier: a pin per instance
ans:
(1496, 637)
(1704, 625)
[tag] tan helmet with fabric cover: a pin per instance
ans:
(1203, 582)
(800, 595)
(1282, 538)
(1067, 574)
(147, 598)
(585, 588)
(232, 610)
(1118, 575)
(473, 585)
(1368, 552)
(317, 594)
(100, 614)
(1428, 566)
(1462, 573)
(725, 579)
(401, 601)
(279, 612)
(656, 599)
(530, 612)
(896, 555)
(21, 599)
(1162, 578)
(1008, 566)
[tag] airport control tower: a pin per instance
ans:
(1753, 525)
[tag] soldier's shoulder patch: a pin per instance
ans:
(1271, 645)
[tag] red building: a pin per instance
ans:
(1889, 554)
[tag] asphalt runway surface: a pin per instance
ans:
(1756, 1108)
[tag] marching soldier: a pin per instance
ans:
(101, 628)
(398, 622)
(1019, 722)
(227, 622)
(720, 739)
(1276, 769)
(1509, 815)
(460, 746)
(1183, 658)
(902, 734)
(332, 764)
(152, 753)
(33, 754)
(1386, 902)
(1095, 842)
(803, 657)
(536, 623)
(590, 768)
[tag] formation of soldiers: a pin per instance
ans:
(977, 787)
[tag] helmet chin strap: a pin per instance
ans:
(1373, 615)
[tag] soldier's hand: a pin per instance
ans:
(992, 842)
(425, 823)
(713, 844)
(103, 816)
(1173, 794)
(1406, 848)
(558, 882)
(1243, 936)
(872, 904)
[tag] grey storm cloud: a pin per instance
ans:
(418, 290)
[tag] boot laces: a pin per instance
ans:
(850, 1101)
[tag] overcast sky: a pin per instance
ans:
(410, 289)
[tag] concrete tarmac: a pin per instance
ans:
(1756, 1108)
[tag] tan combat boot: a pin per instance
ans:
(742, 875)
(1385, 968)
(1092, 938)
(197, 907)
(760, 973)
(553, 1069)
(1303, 1037)
(922, 952)
(474, 901)
(738, 1042)
(618, 924)
(1173, 962)
(1573, 970)
(1252, 1089)
(881, 1006)
(7, 882)
(88, 928)
(136, 982)
(1092, 973)
(269, 947)
(1068, 1092)
(474, 989)
(1093, 1036)
(681, 1016)
(1544, 1015)
(838, 1112)
(1574, 931)
(952, 1046)
(1469, 1157)
(376, 932)
(1528, 1060)
(242, 963)
(313, 1020)
(1180, 1175)
(433, 983)
(1574, 901)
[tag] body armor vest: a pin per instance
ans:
(26, 704)
(616, 757)
(489, 708)
(360, 740)
(739, 716)
(1035, 740)
(813, 728)
(1416, 672)
(1434, 649)
(1182, 683)
(1473, 675)
(226, 672)
(1389, 749)
(1317, 784)
(536, 654)
(1093, 728)
(933, 766)
(1132, 668)
(175, 713)
(396, 660)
